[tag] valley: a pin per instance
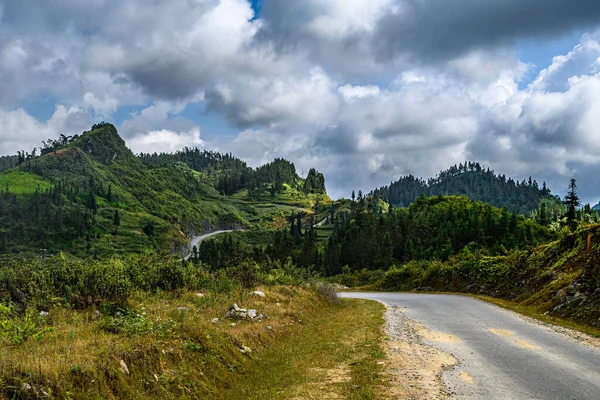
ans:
(190, 274)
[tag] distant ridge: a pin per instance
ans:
(470, 179)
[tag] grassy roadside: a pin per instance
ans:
(333, 355)
(167, 346)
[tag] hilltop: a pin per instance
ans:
(473, 180)
(90, 195)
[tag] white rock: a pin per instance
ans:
(25, 386)
(44, 314)
(252, 314)
(259, 293)
(235, 307)
(215, 320)
(245, 349)
(232, 324)
(123, 367)
(199, 294)
(183, 309)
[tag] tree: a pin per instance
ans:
(543, 214)
(572, 201)
(117, 220)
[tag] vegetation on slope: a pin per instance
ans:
(143, 327)
(90, 195)
(363, 236)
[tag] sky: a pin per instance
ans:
(364, 91)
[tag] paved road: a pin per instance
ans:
(506, 356)
(198, 239)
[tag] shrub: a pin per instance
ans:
(16, 330)
(327, 292)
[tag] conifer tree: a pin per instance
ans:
(572, 201)
(116, 220)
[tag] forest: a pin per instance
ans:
(473, 180)
(230, 175)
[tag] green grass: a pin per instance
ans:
(333, 354)
(21, 183)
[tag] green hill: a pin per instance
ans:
(89, 194)
(472, 180)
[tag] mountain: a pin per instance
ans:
(90, 195)
(470, 179)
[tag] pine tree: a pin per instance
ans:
(116, 220)
(543, 214)
(572, 201)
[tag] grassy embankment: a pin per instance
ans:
(136, 328)
(306, 349)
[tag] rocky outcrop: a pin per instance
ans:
(237, 313)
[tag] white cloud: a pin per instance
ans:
(165, 141)
(350, 92)
(20, 131)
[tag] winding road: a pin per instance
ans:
(498, 354)
(196, 240)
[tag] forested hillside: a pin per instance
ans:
(230, 175)
(473, 180)
(370, 236)
(90, 195)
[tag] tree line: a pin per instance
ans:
(230, 175)
(473, 180)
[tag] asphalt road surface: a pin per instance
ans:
(198, 239)
(505, 355)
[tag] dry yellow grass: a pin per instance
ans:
(169, 353)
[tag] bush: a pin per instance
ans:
(16, 330)
(328, 293)
(247, 273)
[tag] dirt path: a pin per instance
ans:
(414, 369)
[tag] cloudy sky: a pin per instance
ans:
(365, 91)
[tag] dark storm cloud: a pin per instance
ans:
(440, 29)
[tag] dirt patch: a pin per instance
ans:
(439, 337)
(340, 374)
(325, 383)
(414, 368)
